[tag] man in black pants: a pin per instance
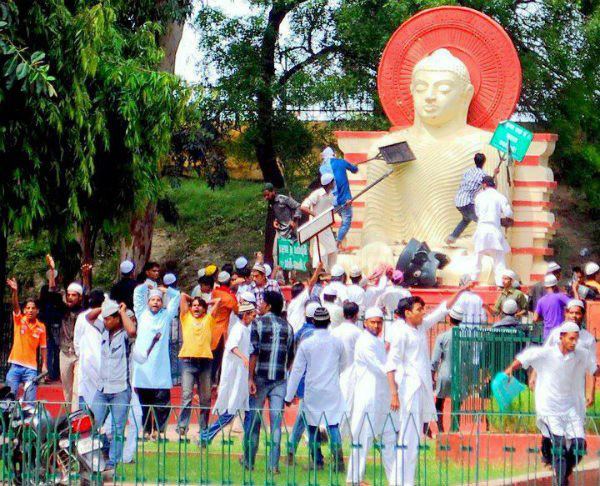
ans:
(465, 197)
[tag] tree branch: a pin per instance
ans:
(285, 77)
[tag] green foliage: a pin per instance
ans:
(84, 149)
(330, 56)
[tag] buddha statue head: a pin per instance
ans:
(441, 89)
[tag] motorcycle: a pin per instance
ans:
(39, 450)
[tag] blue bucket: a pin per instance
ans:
(505, 391)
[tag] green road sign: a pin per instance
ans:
(292, 255)
(509, 133)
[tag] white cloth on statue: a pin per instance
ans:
(390, 297)
(490, 207)
(233, 387)
(319, 201)
(320, 359)
(499, 265)
(371, 416)
(472, 309)
(348, 333)
(89, 350)
(558, 387)
(296, 308)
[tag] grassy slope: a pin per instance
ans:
(214, 226)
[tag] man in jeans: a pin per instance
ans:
(465, 197)
(339, 168)
(272, 340)
(113, 394)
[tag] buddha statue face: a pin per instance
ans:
(441, 89)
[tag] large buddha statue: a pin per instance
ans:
(417, 200)
(447, 77)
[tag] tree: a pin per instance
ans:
(170, 15)
(83, 160)
(329, 54)
(258, 69)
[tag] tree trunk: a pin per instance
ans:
(141, 229)
(142, 223)
(87, 243)
(264, 149)
(4, 316)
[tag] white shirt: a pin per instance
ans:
(370, 378)
(409, 358)
(320, 359)
(319, 201)
(472, 308)
(558, 383)
(373, 292)
(88, 347)
(348, 333)
(233, 387)
(341, 289)
(296, 310)
(355, 293)
(390, 298)
(490, 207)
(336, 314)
(586, 341)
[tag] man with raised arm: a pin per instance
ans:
(409, 378)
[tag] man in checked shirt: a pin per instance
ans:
(465, 197)
(272, 340)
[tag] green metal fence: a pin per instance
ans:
(45, 453)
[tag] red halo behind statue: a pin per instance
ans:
(476, 39)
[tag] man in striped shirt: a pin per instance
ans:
(465, 197)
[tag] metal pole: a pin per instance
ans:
(319, 249)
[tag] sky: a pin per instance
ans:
(188, 62)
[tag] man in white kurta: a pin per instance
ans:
(560, 380)
(316, 203)
(471, 305)
(390, 297)
(320, 359)
(348, 333)
(88, 345)
(409, 377)
(233, 394)
(575, 312)
(371, 415)
(489, 240)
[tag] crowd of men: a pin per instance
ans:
(351, 348)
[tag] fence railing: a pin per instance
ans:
(478, 354)
(42, 448)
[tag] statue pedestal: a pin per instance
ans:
(533, 183)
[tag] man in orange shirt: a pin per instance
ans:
(29, 335)
(228, 305)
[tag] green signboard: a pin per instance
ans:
(292, 255)
(510, 134)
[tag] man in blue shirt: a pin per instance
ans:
(339, 168)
